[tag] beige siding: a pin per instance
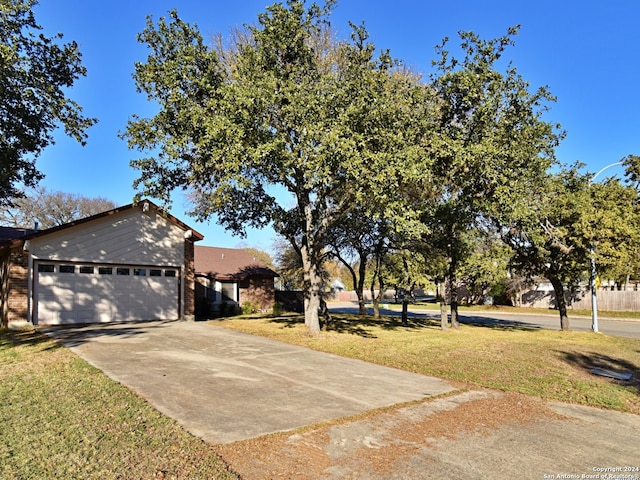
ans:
(130, 237)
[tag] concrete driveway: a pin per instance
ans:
(225, 386)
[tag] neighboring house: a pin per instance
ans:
(230, 277)
(130, 263)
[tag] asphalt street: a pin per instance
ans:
(629, 328)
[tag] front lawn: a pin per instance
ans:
(545, 363)
(60, 418)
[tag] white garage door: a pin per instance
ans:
(104, 293)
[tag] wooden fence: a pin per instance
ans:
(611, 300)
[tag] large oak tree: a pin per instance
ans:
(287, 127)
(491, 134)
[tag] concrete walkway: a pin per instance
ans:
(225, 386)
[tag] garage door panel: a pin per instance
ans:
(94, 297)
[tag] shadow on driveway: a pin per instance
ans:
(76, 335)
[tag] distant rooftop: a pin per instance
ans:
(10, 233)
(228, 263)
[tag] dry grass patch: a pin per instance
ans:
(545, 363)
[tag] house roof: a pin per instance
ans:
(229, 264)
(144, 205)
(11, 233)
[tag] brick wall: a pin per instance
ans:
(260, 291)
(189, 281)
(18, 287)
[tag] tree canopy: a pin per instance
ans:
(490, 134)
(35, 73)
(340, 148)
(288, 109)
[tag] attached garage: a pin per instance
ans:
(128, 264)
(84, 293)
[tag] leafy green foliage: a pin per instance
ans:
(485, 269)
(614, 227)
(557, 222)
(490, 134)
(328, 140)
(548, 236)
(286, 108)
(35, 72)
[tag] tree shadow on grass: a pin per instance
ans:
(361, 325)
(17, 338)
(496, 324)
(588, 361)
(348, 321)
(431, 319)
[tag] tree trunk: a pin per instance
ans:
(561, 300)
(406, 291)
(358, 280)
(312, 307)
(376, 305)
(376, 298)
(442, 293)
(362, 267)
(405, 309)
(362, 310)
(312, 289)
(453, 287)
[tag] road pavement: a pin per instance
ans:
(610, 326)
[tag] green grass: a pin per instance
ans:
(62, 418)
(545, 363)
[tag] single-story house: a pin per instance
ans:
(231, 277)
(131, 263)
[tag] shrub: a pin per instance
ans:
(277, 309)
(250, 307)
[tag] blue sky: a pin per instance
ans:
(587, 52)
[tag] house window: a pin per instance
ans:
(123, 271)
(105, 270)
(211, 294)
(228, 292)
(169, 273)
(46, 268)
(67, 269)
(139, 272)
(155, 272)
(85, 269)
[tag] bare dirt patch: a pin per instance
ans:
(381, 444)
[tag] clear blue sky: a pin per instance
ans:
(587, 52)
